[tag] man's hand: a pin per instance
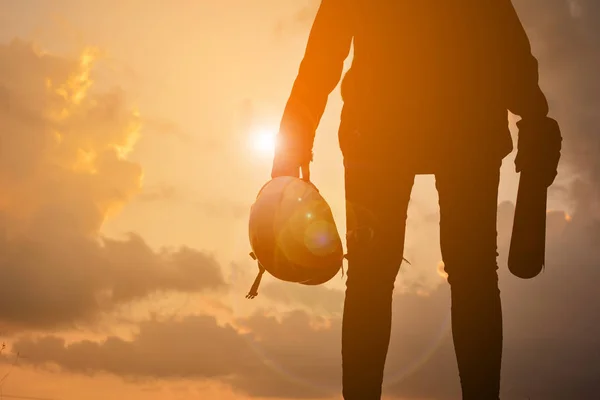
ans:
(290, 161)
(283, 168)
(539, 147)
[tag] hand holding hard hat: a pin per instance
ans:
(292, 232)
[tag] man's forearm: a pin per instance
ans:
(319, 73)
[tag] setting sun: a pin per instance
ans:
(263, 141)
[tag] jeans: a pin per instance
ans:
(376, 210)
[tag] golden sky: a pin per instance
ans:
(134, 135)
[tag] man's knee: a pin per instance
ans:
(374, 258)
(472, 269)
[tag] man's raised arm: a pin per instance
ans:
(320, 71)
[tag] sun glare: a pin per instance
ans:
(263, 141)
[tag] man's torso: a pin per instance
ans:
(426, 81)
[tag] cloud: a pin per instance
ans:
(54, 283)
(550, 322)
(194, 347)
(63, 171)
(565, 37)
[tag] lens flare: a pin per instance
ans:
(263, 141)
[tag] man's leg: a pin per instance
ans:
(376, 206)
(468, 206)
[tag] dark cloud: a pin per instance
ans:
(551, 336)
(159, 350)
(196, 347)
(51, 283)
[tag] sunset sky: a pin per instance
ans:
(134, 136)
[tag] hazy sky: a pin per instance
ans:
(131, 148)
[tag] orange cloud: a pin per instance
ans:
(62, 148)
(63, 171)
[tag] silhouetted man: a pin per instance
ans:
(429, 91)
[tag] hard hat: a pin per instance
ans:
(293, 235)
